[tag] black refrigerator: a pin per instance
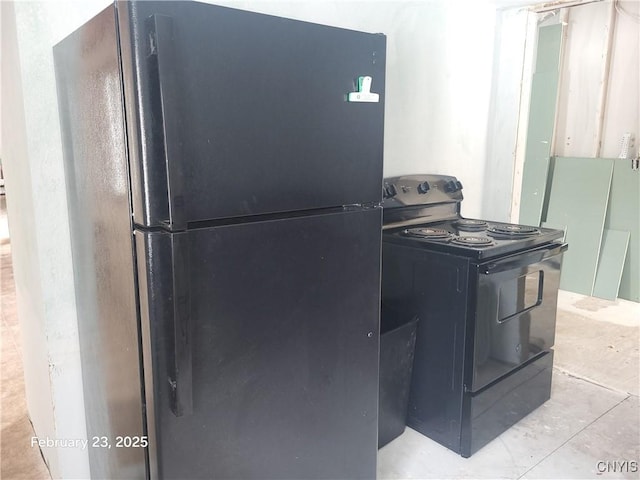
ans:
(224, 174)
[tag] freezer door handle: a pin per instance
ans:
(181, 383)
(161, 44)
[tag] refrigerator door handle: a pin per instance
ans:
(181, 383)
(161, 43)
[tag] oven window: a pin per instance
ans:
(520, 294)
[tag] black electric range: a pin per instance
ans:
(485, 294)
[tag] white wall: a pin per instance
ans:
(510, 82)
(439, 68)
(21, 210)
(598, 101)
(622, 109)
(38, 224)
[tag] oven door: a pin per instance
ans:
(516, 311)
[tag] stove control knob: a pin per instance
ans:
(389, 191)
(450, 186)
(423, 187)
(458, 185)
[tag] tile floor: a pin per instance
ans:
(593, 414)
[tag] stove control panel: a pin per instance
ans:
(411, 190)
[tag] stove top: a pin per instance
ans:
(473, 242)
(429, 233)
(477, 239)
(467, 225)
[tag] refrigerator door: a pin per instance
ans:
(265, 348)
(232, 113)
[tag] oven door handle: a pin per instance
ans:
(523, 259)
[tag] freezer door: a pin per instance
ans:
(232, 113)
(260, 346)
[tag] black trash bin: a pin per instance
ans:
(397, 343)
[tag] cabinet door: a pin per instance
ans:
(233, 113)
(261, 348)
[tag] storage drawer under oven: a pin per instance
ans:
(493, 410)
(515, 318)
